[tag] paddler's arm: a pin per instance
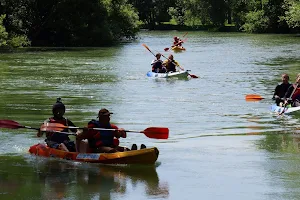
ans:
(288, 95)
(178, 65)
(120, 132)
(72, 124)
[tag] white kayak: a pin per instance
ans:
(182, 74)
(287, 110)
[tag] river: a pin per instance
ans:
(219, 147)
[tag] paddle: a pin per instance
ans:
(151, 132)
(191, 75)
(184, 40)
(253, 97)
(285, 105)
(4, 123)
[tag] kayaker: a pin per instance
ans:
(103, 141)
(177, 42)
(292, 95)
(171, 64)
(59, 140)
(281, 89)
(157, 64)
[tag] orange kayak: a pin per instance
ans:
(142, 156)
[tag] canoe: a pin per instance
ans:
(288, 110)
(178, 48)
(179, 74)
(142, 156)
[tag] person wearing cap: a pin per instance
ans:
(59, 140)
(157, 64)
(102, 141)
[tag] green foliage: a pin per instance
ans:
(153, 12)
(256, 22)
(292, 14)
(124, 21)
(11, 40)
(18, 41)
(3, 33)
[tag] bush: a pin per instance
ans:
(255, 22)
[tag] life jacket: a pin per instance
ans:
(58, 137)
(103, 137)
(157, 66)
(171, 67)
(296, 94)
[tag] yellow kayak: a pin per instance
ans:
(178, 48)
(142, 156)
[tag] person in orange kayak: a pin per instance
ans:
(177, 42)
(157, 64)
(103, 141)
(59, 140)
(281, 89)
(293, 93)
(171, 64)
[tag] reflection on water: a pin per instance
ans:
(53, 179)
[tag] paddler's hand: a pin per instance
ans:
(121, 133)
(81, 133)
(39, 133)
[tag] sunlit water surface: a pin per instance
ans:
(220, 146)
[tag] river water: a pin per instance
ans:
(220, 146)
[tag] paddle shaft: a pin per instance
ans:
(103, 129)
(28, 127)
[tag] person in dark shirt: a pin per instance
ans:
(157, 64)
(58, 140)
(281, 89)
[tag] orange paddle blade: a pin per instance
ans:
(253, 97)
(144, 45)
(157, 132)
(52, 127)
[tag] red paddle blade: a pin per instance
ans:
(253, 97)
(193, 76)
(9, 124)
(52, 127)
(166, 49)
(156, 132)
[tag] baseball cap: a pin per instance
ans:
(104, 111)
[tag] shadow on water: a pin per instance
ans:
(53, 179)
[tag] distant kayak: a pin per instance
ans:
(142, 156)
(179, 74)
(178, 48)
(287, 110)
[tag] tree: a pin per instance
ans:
(292, 13)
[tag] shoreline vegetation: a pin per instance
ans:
(95, 23)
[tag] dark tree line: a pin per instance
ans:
(104, 22)
(69, 22)
(247, 15)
